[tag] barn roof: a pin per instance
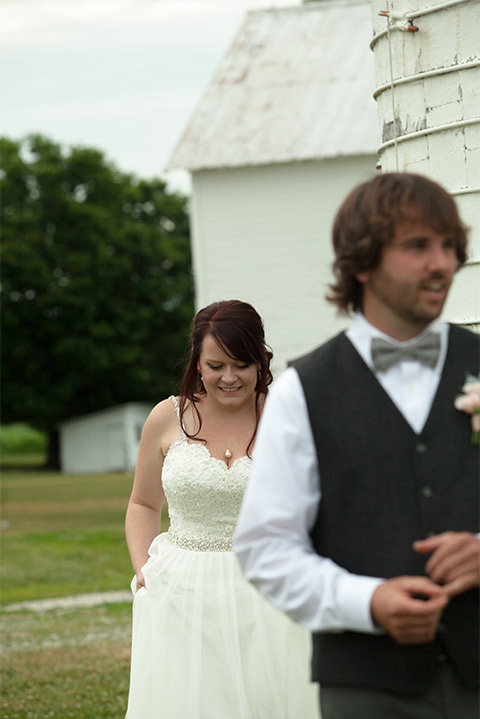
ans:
(296, 84)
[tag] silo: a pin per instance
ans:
(427, 63)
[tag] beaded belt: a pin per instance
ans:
(196, 544)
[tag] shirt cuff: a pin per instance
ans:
(354, 596)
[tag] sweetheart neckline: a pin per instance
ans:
(184, 440)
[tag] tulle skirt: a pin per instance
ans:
(206, 645)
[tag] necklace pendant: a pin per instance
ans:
(228, 454)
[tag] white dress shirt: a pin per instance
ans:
(272, 539)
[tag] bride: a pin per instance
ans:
(205, 644)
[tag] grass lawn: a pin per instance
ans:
(71, 683)
(62, 535)
(66, 663)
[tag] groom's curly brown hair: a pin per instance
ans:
(366, 220)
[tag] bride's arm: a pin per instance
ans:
(142, 522)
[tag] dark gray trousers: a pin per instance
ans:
(446, 699)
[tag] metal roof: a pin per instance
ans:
(296, 84)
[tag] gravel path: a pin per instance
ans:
(78, 600)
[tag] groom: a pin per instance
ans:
(361, 515)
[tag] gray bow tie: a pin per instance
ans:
(385, 354)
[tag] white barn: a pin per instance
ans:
(105, 441)
(286, 127)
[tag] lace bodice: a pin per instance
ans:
(204, 496)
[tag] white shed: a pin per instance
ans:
(286, 127)
(105, 441)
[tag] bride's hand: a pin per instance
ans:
(140, 580)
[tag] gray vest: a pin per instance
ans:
(384, 486)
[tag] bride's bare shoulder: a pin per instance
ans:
(162, 420)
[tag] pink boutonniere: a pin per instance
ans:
(469, 402)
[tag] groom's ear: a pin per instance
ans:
(363, 277)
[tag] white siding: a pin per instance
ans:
(262, 235)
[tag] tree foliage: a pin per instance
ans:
(96, 283)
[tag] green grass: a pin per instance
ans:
(62, 535)
(33, 460)
(57, 564)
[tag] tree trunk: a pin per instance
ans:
(53, 454)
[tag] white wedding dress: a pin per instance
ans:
(205, 644)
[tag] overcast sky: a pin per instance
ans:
(120, 75)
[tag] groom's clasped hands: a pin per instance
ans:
(410, 608)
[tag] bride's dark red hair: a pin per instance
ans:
(238, 329)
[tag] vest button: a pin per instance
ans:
(421, 448)
(427, 492)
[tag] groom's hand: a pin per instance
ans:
(454, 561)
(409, 609)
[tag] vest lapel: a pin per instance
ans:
(453, 376)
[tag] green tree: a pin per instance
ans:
(96, 284)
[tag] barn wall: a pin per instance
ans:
(262, 234)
